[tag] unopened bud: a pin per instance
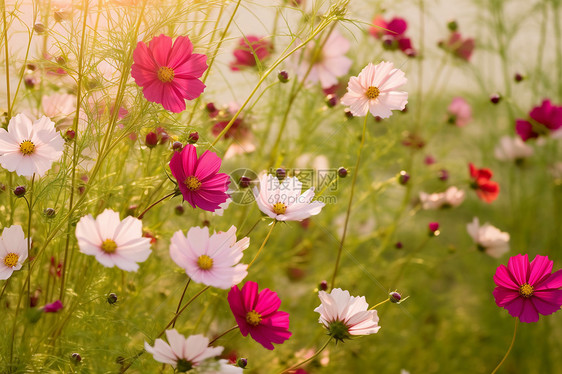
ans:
(242, 362)
(19, 191)
(280, 173)
(323, 286)
(179, 210)
(403, 178)
(177, 146)
(245, 182)
(453, 25)
(39, 28)
(49, 212)
(495, 98)
(151, 139)
(193, 137)
(331, 101)
(75, 358)
(111, 298)
(342, 172)
(283, 76)
(394, 297)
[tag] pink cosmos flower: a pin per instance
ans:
(527, 290)
(168, 74)
(328, 64)
(53, 307)
(460, 112)
(375, 90)
(543, 120)
(458, 47)
(198, 179)
(256, 314)
(249, 49)
(392, 34)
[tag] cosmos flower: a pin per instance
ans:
(327, 64)
(486, 189)
(344, 315)
(460, 112)
(257, 314)
(59, 108)
(452, 197)
(211, 260)
(13, 250)
(283, 201)
(393, 34)
(458, 47)
(168, 73)
(488, 238)
(198, 179)
(53, 307)
(183, 354)
(112, 241)
(250, 49)
(375, 90)
(543, 120)
(512, 149)
(30, 147)
(527, 290)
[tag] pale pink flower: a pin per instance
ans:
(212, 260)
(30, 147)
(328, 64)
(512, 149)
(283, 201)
(375, 90)
(13, 250)
(452, 197)
(488, 238)
(60, 108)
(112, 241)
(460, 112)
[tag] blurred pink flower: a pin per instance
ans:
(512, 149)
(392, 34)
(328, 64)
(488, 238)
(168, 73)
(375, 90)
(198, 179)
(460, 112)
(53, 307)
(249, 49)
(257, 314)
(527, 290)
(544, 119)
(458, 47)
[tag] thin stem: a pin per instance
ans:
(381, 303)
(353, 182)
(302, 363)
(4, 288)
(5, 32)
(510, 347)
(30, 208)
(159, 201)
(407, 262)
(263, 244)
(252, 228)
(181, 299)
(223, 334)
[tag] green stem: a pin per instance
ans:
(5, 32)
(30, 213)
(510, 347)
(181, 299)
(302, 363)
(223, 334)
(263, 243)
(348, 213)
(379, 304)
(153, 204)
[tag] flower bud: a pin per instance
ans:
(394, 297)
(433, 229)
(348, 113)
(242, 362)
(211, 108)
(342, 172)
(331, 100)
(443, 175)
(283, 76)
(453, 25)
(244, 182)
(30, 81)
(49, 212)
(177, 146)
(111, 298)
(39, 28)
(19, 191)
(495, 98)
(280, 173)
(69, 135)
(179, 209)
(403, 178)
(75, 358)
(151, 139)
(193, 138)
(323, 286)
(518, 77)
(398, 245)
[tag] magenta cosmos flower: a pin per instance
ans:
(256, 314)
(250, 49)
(198, 179)
(542, 120)
(526, 290)
(168, 74)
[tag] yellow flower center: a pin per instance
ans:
(372, 92)
(27, 147)
(192, 183)
(279, 208)
(526, 290)
(204, 262)
(253, 318)
(11, 260)
(109, 246)
(166, 74)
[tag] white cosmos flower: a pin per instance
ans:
(452, 197)
(60, 108)
(512, 149)
(183, 354)
(13, 250)
(375, 90)
(30, 147)
(344, 315)
(488, 238)
(283, 201)
(211, 260)
(112, 241)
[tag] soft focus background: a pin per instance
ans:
(449, 324)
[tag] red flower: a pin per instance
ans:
(249, 50)
(485, 189)
(458, 47)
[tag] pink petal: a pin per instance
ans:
(207, 165)
(268, 302)
(181, 52)
(194, 67)
(504, 296)
(541, 267)
(552, 282)
(160, 46)
(503, 278)
(529, 313)
(519, 268)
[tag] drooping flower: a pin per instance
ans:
(327, 64)
(375, 90)
(250, 50)
(543, 120)
(488, 238)
(344, 315)
(527, 290)
(486, 189)
(112, 241)
(30, 147)
(183, 354)
(283, 201)
(168, 74)
(460, 112)
(211, 260)
(257, 314)
(198, 179)
(393, 34)
(452, 197)
(512, 149)
(13, 250)
(458, 47)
